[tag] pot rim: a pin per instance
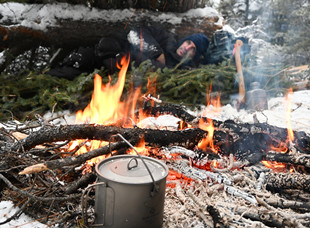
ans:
(122, 180)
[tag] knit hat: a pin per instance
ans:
(201, 42)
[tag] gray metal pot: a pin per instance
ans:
(256, 98)
(131, 192)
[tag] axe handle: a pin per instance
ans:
(238, 45)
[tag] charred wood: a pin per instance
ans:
(217, 220)
(80, 183)
(189, 137)
(292, 159)
(292, 204)
(268, 134)
(281, 181)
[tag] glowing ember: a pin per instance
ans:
(275, 166)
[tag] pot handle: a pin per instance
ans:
(155, 186)
(134, 166)
(107, 208)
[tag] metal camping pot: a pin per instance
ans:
(131, 192)
(256, 98)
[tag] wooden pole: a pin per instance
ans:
(238, 45)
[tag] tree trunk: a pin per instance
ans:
(70, 33)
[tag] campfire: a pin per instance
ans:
(220, 173)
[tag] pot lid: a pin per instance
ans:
(130, 169)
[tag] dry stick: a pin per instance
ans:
(286, 217)
(284, 203)
(262, 215)
(74, 160)
(217, 220)
(181, 196)
(83, 180)
(45, 199)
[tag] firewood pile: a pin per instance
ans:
(226, 185)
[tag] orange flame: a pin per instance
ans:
(106, 108)
(140, 148)
(207, 142)
(275, 166)
(283, 146)
(213, 103)
(290, 132)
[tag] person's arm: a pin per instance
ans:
(143, 43)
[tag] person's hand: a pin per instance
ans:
(239, 42)
(161, 59)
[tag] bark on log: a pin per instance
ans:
(280, 181)
(271, 133)
(68, 33)
(188, 138)
(293, 159)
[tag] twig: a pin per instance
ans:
(45, 199)
(74, 160)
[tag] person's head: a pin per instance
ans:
(193, 46)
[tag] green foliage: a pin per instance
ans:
(32, 93)
(25, 95)
(189, 87)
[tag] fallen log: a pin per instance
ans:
(277, 135)
(71, 32)
(188, 137)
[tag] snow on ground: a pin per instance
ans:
(7, 210)
(276, 113)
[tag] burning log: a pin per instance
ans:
(268, 134)
(296, 159)
(245, 141)
(188, 138)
